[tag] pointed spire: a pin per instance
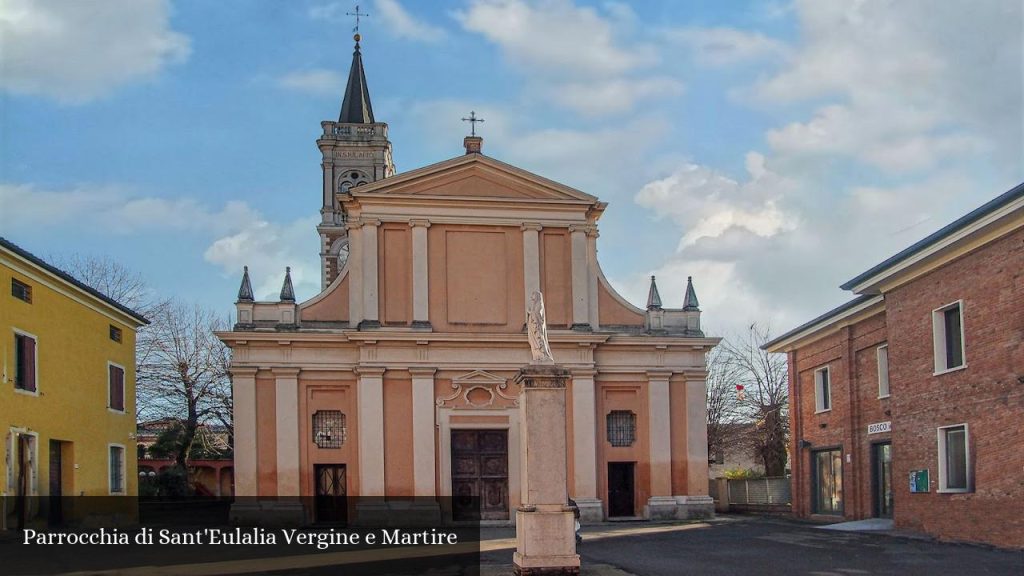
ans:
(690, 300)
(355, 108)
(245, 290)
(287, 291)
(653, 298)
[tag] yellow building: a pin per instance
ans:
(67, 391)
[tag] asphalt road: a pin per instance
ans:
(742, 546)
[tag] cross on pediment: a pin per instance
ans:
(472, 122)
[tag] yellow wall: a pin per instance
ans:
(73, 347)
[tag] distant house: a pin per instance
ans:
(211, 469)
(735, 453)
(907, 402)
(67, 391)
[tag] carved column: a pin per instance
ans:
(580, 284)
(420, 260)
(371, 308)
(661, 504)
(370, 412)
(531, 259)
(584, 448)
(243, 390)
(355, 273)
(423, 456)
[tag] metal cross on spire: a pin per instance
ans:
(472, 122)
(358, 15)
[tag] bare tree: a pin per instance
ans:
(183, 371)
(181, 365)
(112, 279)
(722, 403)
(765, 380)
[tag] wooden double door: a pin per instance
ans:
(480, 475)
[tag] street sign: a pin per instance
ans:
(879, 427)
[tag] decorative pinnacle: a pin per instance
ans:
(690, 300)
(245, 290)
(287, 290)
(653, 298)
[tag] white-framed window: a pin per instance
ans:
(948, 337)
(115, 387)
(954, 459)
(116, 469)
(883, 370)
(26, 363)
(822, 390)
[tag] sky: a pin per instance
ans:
(771, 150)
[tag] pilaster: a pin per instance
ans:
(423, 456)
(584, 431)
(371, 307)
(592, 267)
(661, 504)
(531, 259)
(580, 283)
(243, 392)
(370, 411)
(420, 274)
(286, 382)
(355, 274)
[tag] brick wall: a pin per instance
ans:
(850, 354)
(987, 395)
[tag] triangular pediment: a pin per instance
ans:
(478, 377)
(474, 176)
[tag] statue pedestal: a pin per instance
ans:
(545, 527)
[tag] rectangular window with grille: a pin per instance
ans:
(117, 470)
(329, 428)
(115, 333)
(621, 428)
(21, 291)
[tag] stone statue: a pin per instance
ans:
(537, 330)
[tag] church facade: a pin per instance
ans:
(396, 380)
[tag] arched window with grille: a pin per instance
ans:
(329, 429)
(621, 428)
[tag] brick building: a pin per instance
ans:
(908, 401)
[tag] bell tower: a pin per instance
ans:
(356, 151)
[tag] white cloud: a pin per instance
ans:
(577, 57)
(898, 118)
(74, 52)
(707, 204)
(725, 46)
(113, 208)
(267, 248)
(912, 84)
(316, 82)
(400, 23)
(616, 95)
(568, 155)
(238, 234)
(555, 37)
